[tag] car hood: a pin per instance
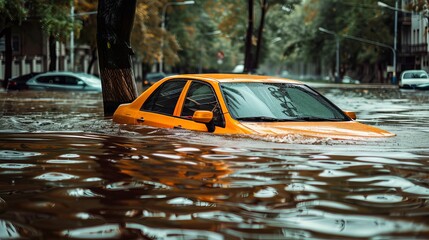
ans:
(334, 130)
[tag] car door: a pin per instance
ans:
(72, 83)
(51, 82)
(158, 109)
(199, 96)
(43, 82)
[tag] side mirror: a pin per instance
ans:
(202, 116)
(350, 114)
(206, 117)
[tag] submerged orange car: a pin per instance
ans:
(242, 104)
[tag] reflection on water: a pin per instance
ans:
(66, 172)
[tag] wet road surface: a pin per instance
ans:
(66, 172)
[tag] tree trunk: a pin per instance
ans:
(248, 47)
(114, 24)
(264, 8)
(52, 53)
(7, 32)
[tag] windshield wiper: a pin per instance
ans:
(318, 119)
(298, 119)
(263, 119)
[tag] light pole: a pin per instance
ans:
(72, 36)
(337, 59)
(164, 10)
(72, 16)
(395, 33)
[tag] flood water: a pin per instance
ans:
(66, 172)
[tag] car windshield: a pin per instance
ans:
(416, 74)
(252, 101)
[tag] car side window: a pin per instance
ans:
(58, 80)
(200, 96)
(51, 79)
(68, 80)
(45, 79)
(164, 99)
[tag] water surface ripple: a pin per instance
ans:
(66, 172)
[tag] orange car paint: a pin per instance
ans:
(131, 114)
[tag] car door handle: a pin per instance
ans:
(140, 119)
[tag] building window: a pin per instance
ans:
(426, 35)
(16, 43)
(418, 36)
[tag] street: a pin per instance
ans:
(68, 172)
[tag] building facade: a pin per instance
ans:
(30, 47)
(413, 38)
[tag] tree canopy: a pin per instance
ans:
(210, 35)
(300, 38)
(54, 15)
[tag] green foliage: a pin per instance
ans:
(54, 15)
(195, 33)
(12, 12)
(209, 27)
(87, 19)
(302, 41)
(147, 34)
(421, 6)
(55, 18)
(200, 34)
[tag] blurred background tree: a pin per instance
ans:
(210, 35)
(11, 13)
(299, 39)
(204, 46)
(254, 49)
(421, 6)
(85, 15)
(54, 17)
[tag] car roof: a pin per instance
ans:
(58, 73)
(221, 77)
(415, 71)
(63, 73)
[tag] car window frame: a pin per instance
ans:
(45, 79)
(221, 122)
(312, 90)
(157, 92)
(74, 84)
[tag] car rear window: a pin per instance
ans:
(164, 99)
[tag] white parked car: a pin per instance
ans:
(65, 81)
(350, 80)
(413, 78)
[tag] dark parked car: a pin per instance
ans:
(20, 82)
(69, 81)
(152, 78)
